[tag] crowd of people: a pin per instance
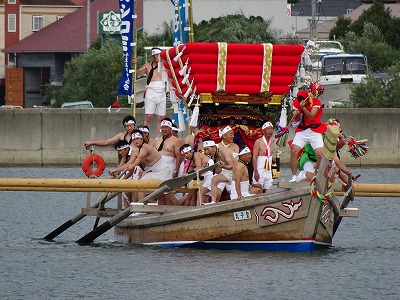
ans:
(167, 155)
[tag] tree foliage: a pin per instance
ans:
(377, 92)
(371, 43)
(93, 76)
(340, 29)
(236, 28)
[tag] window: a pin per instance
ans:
(349, 10)
(12, 22)
(37, 23)
(12, 1)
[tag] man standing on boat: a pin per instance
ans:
(155, 100)
(168, 146)
(309, 130)
(262, 157)
(240, 181)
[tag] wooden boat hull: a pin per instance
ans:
(283, 219)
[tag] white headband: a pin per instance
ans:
(267, 124)
(175, 129)
(136, 135)
(155, 51)
(166, 123)
(143, 129)
(123, 147)
(244, 151)
(208, 144)
(186, 150)
(225, 130)
(130, 122)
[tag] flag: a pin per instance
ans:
(179, 36)
(126, 8)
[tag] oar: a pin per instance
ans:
(103, 198)
(167, 185)
(349, 197)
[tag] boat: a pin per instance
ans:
(338, 73)
(287, 217)
(318, 49)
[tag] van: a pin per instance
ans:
(78, 104)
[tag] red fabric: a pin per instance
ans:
(249, 134)
(116, 104)
(244, 64)
(317, 118)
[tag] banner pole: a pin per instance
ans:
(135, 38)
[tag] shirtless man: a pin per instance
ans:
(240, 180)
(192, 162)
(191, 139)
(146, 135)
(155, 100)
(227, 136)
(262, 157)
(128, 122)
(224, 157)
(168, 146)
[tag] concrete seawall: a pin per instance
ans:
(56, 136)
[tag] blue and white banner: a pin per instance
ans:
(179, 22)
(126, 8)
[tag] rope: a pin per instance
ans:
(314, 192)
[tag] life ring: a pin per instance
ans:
(89, 161)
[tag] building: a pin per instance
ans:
(22, 18)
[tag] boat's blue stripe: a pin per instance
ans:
(294, 246)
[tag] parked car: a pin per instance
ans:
(78, 104)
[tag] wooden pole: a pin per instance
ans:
(134, 67)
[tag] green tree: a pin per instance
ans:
(378, 92)
(340, 29)
(371, 43)
(93, 76)
(236, 28)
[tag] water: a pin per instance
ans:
(364, 262)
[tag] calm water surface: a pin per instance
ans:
(364, 262)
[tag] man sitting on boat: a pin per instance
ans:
(226, 134)
(309, 130)
(223, 178)
(262, 157)
(240, 181)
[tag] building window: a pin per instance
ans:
(349, 10)
(12, 1)
(12, 22)
(37, 23)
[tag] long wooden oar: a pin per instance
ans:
(79, 216)
(167, 185)
(103, 198)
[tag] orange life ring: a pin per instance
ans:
(89, 161)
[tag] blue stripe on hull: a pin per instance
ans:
(300, 246)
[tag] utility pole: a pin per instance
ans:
(313, 25)
(87, 24)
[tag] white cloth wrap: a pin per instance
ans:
(265, 175)
(244, 188)
(158, 171)
(155, 101)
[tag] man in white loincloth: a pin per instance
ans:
(168, 146)
(262, 157)
(155, 100)
(223, 177)
(226, 134)
(240, 181)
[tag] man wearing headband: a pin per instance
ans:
(128, 122)
(226, 134)
(168, 146)
(263, 156)
(146, 135)
(240, 181)
(309, 130)
(223, 178)
(155, 99)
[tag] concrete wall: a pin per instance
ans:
(56, 136)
